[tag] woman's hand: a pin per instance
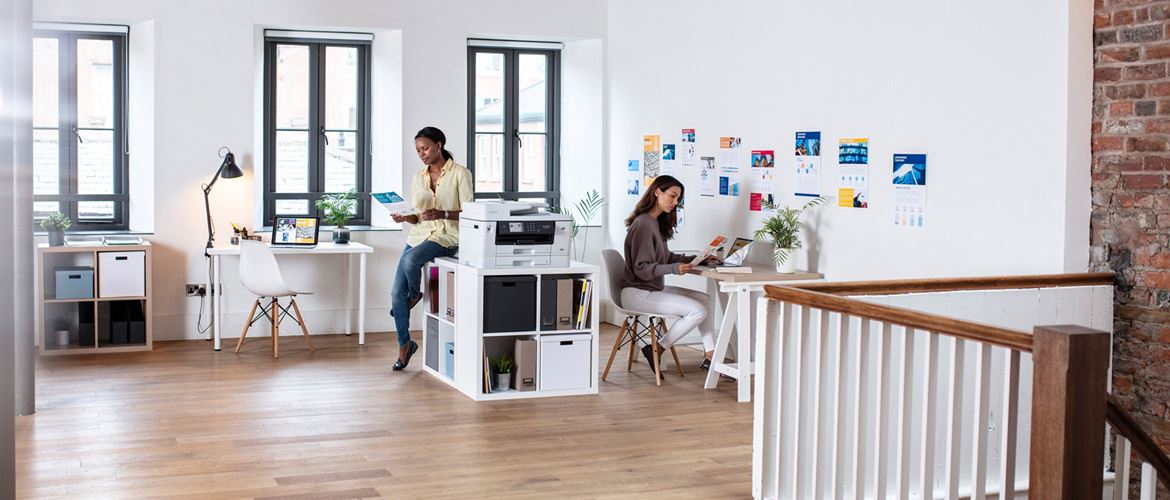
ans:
(431, 214)
(412, 219)
(685, 267)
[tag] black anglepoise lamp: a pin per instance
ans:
(228, 170)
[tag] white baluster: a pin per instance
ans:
(767, 401)
(1149, 482)
(979, 450)
(797, 385)
(1011, 401)
(861, 416)
(1121, 469)
(954, 419)
(820, 362)
(837, 474)
(905, 395)
(883, 411)
(929, 394)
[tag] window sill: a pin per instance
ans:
(99, 233)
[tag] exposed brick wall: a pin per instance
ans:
(1131, 200)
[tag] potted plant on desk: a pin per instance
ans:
(783, 230)
(338, 208)
(502, 366)
(55, 224)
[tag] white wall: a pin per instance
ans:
(206, 65)
(995, 93)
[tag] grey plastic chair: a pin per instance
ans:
(634, 330)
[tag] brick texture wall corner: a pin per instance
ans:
(1130, 225)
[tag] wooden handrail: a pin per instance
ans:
(1142, 443)
(968, 330)
(893, 287)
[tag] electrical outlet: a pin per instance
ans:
(196, 290)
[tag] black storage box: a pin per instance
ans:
(136, 321)
(119, 326)
(85, 324)
(509, 304)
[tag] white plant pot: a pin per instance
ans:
(61, 337)
(788, 266)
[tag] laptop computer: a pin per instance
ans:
(295, 232)
(737, 253)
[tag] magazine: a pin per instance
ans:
(711, 247)
(394, 203)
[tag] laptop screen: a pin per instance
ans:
(295, 231)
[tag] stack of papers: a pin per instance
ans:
(735, 269)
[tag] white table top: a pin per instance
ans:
(323, 247)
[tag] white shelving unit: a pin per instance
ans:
(466, 330)
(116, 271)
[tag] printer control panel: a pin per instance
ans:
(526, 232)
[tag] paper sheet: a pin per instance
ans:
(668, 160)
(651, 158)
(910, 190)
(394, 203)
(687, 152)
(708, 180)
(853, 160)
(808, 164)
(761, 179)
(633, 178)
(729, 152)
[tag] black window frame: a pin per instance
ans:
(317, 48)
(511, 165)
(68, 137)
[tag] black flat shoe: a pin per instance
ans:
(401, 363)
(648, 352)
(705, 365)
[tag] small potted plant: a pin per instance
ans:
(338, 208)
(783, 230)
(61, 326)
(55, 224)
(502, 366)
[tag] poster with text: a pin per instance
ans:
(687, 152)
(853, 161)
(761, 179)
(708, 180)
(729, 152)
(910, 190)
(668, 160)
(808, 164)
(633, 178)
(651, 158)
(729, 181)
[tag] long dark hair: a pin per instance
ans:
(436, 135)
(666, 220)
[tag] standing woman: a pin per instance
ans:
(438, 192)
(649, 259)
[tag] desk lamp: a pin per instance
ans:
(228, 170)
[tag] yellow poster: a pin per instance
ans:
(651, 158)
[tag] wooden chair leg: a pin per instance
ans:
(616, 345)
(633, 342)
(677, 364)
(300, 319)
(654, 353)
(275, 329)
(247, 326)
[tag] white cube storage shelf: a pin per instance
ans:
(566, 360)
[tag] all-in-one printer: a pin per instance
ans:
(501, 234)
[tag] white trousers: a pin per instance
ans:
(693, 306)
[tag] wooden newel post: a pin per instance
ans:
(1069, 385)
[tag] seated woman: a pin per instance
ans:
(649, 259)
(438, 192)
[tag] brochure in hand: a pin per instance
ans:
(394, 203)
(711, 247)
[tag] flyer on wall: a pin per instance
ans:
(708, 181)
(729, 152)
(729, 181)
(853, 160)
(808, 164)
(651, 158)
(633, 177)
(687, 152)
(910, 190)
(669, 161)
(761, 179)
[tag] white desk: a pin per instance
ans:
(737, 316)
(323, 248)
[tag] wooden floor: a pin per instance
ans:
(187, 422)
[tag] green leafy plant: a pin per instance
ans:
(582, 214)
(56, 221)
(501, 364)
(61, 323)
(783, 228)
(338, 208)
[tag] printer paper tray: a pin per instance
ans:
(523, 250)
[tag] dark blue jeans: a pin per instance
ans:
(408, 282)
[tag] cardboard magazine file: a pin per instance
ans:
(450, 296)
(525, 356)
(564, 304)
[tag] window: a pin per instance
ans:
(79, 127)
(513, 100)
(316, 123)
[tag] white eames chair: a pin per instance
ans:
(633, 329)
(260, 274)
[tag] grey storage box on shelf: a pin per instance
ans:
(449, 368)
(73, 282)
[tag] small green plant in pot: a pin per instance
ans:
(55, 224)
(783, 230)
(338, 208)
(586, 209)
(502, 367)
